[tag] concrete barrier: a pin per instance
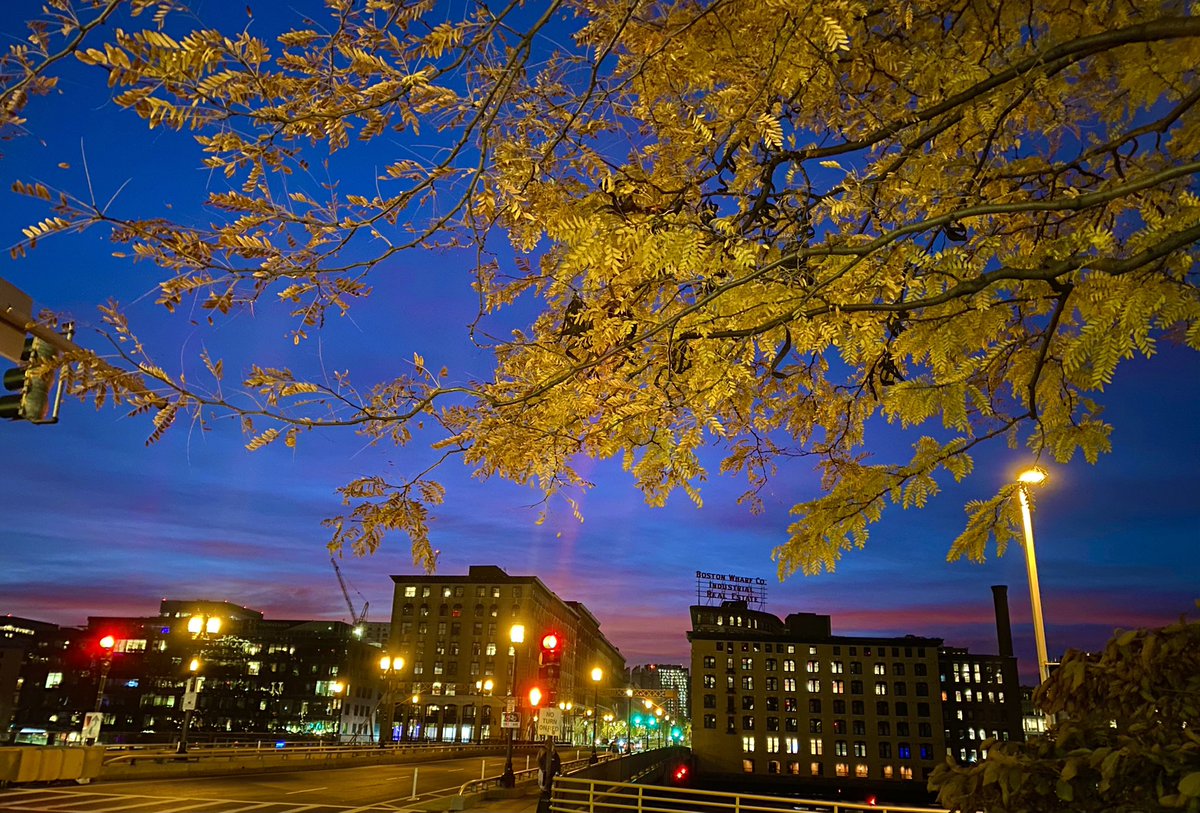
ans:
(50, 763)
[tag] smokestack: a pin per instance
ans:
(1003, 625)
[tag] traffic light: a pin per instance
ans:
(550, 664)
(535, 697)
(32, 401)
(551, 653)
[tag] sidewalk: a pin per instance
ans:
(522, 804)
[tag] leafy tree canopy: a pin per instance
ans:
(1124, 739)
(754, 225)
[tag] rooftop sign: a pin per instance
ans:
(713, 588)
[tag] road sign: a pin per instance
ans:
(549, 722)
(91, 725)
(510, 719)
(510, 704)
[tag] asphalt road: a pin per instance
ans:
(371, 789)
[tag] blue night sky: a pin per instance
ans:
(99, 523)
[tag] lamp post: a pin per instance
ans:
(190, 698)
(483, 688)
(200, 627)
(336, 688)
(516, 635)
(390, 667)
(415, 719)
(1027, 478)
(629, 721)
(597, 674)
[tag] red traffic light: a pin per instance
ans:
(550, 641)
(681, 773)
(108, 642)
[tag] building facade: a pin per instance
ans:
(673, 679)
(786, 701)
(454, 634)
(259, 677)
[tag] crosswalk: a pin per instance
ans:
(71, 800)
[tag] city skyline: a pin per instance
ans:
(99, 523)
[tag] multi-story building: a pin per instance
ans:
(454, 632)
(259, 676)
(981, 696)
(672, 678)
(786, 701)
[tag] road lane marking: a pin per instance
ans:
(303, 790)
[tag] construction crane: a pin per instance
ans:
(358, 620)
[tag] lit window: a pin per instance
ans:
(53, 679)
(842, 769)
(747, 766)
(748, 745)
(792, 744)
(887, 771)
(860, 771)
(815, 746)
(880, 687)
(816, 769)
(772, 745)
(814, 685)
(410, 591)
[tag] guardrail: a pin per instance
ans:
(325, 752)
(581, 795)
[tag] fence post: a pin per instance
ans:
(416, 771)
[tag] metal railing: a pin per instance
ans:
(261, 751)
(580, 795)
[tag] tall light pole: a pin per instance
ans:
(1027, 478)
(390, 667)
(597, 675)
(516, 635)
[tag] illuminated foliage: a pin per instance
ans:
(753, 225)
(1124, 739)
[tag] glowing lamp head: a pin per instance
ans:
(516, 634)
(535, 697)
(1032, 477)
(597, 674)
(194, 665)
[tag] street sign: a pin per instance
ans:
(189, 700)
(510, 719)
(91, 725)
(549, 722)
(510, 704)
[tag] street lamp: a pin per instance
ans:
(597, 674)
(1027, 478)
(629, 720)
(200, 627)
(483, 688)
(336, 688)
(516, 635)
(390, 667)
